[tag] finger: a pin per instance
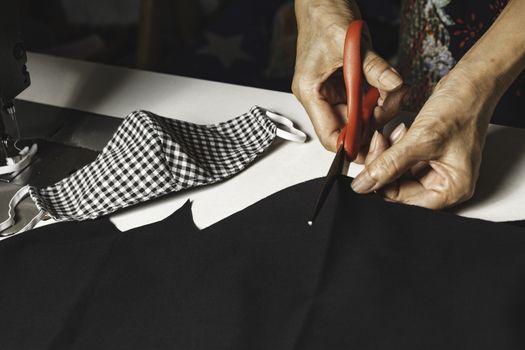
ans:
(361, 156)
(420, 169)
(378, 145)
(414, 193)
(388, 167)
(382, 96)
(383, 144)
(326, 120)
(379, 73)
(389, 106)
(365, 148)
(370, 129)
(397, 134)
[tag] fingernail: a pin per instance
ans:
(390, 79)
(374, 142)
(396, 134)
(363, 183)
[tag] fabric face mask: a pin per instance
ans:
(150, 156)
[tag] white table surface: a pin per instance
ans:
(115, 91)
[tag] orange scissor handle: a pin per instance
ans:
(359, 108)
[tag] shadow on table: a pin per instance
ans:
(98, 86)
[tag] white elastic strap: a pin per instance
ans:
(10, 221)
(13, 203)
(286, 128)
(31, 224)
(26, 154)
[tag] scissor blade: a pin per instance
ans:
(335, 170)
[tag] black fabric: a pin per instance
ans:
(367, 275)
(518, 223)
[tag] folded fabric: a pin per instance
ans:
(367, 275)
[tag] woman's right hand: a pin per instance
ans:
(318, 82)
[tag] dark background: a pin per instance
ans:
(236, 41)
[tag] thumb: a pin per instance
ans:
(379, 73)
(388, 167)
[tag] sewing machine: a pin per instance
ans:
(40, 144)
(14, 77)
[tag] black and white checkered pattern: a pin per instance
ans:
(149, 156)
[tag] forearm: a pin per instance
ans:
(498, 57)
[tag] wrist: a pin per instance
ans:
(325, 20)
(482, 79)
(468, 95)
(326, 13)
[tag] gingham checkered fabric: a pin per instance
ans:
(150, 156)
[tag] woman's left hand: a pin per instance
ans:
(435, 163)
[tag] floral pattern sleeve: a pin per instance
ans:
(435, 34)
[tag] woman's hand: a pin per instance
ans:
(318, 83)
(435, 163)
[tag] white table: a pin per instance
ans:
(115, 92)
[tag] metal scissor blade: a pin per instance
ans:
(335, 170)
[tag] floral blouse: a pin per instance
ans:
(435, 34)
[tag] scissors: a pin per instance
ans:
(360, 106)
